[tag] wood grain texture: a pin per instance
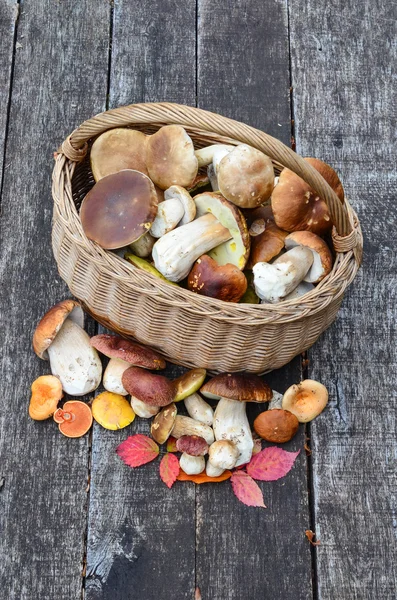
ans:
(141, 536)
(243, 72)
(344, 80)
(59, 79)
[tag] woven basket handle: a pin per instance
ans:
(162, 113)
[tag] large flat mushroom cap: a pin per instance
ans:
(153, 389)
(322, 256)
(170, 157)
(244, 387)
(119, 209)
(50, 324)
(306, 400)
(116, 150)
(114, 346)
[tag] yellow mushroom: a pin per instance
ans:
(112, 411)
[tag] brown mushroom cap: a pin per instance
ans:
(266, 245)
(224, 282)
(322, 257)
(116, 150)
(306, 400)
(74, 419)
(194, 445)
(114, 346)
(170, 157)
(297, 207)
(246, 176)
(276, 425)
(50, 324)
(244, 387)
(46, 393)
(163, 424)
(119, 209)
(153, 389)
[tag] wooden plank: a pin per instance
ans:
(59, 79)
(243, 72)
(141, 537)
(345, 113)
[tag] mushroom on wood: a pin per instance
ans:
(198, 409)
(306, 400)
(193, 449)
(74, 419)
(46, 393)
(223, 454)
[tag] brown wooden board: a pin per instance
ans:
(141, 536)
(59, 79)
(243, 73)
(344, 77)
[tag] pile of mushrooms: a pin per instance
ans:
(205, 218)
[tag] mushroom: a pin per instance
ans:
(153, 389)
(188, 426)
(200, 181)
(112, 411)
(322, 257)
(112, 376)
(118, 149)
(144, 265)
(119, 209)
(230, 418)
(170, 157)
(297, 207)
(212, 178)
(193, 448)
(224, 282)
(199, 410)
(74, 419)
(223, 454)
(245, 176)
(275, 281)
(188, 383)
(218, 222)
(46, 393)
(163, 423)
(306, 400)
(142, 409)
(178, 208)
(143, 246)
(302, 289)
(276, 425)
(212, 154)
(266, 245)
(60, 337)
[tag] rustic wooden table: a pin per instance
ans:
(74, 521)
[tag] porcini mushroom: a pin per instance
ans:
(230, 419)
(60, 337)
(306, 400)
(188, 383)
(178, 208)
(297, 207)
(143, 410)
(74, 419)
(143, 246)
(276, 425)
(153, 389)
(163, 423)
(188, 426)
(112, 411)
(193, 450)
(199, 410)
(275, 281)
(223, 454)
(302, 289)
(266, 245)
(119, 209)
(46, 393)
(112, 376)
(215, 152)
(322, 257)
(224, 282)
(170, 157)
(118, 149)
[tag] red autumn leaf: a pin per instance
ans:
(169, 469)
(171, 445)
(138, 450)
(246, 490)
(271, 464)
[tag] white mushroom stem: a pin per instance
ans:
(212, 471)
(142, 409)
(192, 465)
(223, 454)
(188, 426)
(205, 156)
(302, 289)
(199, 409)
(143, 246)
(175, 253)
(112, 376)
(179, 193)
(231, 423)
(74, 360)
(275, 281)
(276, 401)
(169, 213)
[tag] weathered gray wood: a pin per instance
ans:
(344, 76)
(59, 79)
(243, 72)
(141, 536)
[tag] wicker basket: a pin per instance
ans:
(189, 329)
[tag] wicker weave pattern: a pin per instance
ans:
(187, 328)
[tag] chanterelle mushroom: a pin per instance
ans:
(230, 419)
(60, 337)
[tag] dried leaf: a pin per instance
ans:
(307, 449)
(197, 594)
(171, 445)
(169, 469)
(246, 490)
(271, 464)
(203, 477)
(257, 445)
(138, 450)
(310, 536)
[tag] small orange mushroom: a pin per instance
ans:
(74, 419)
(46, 393)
